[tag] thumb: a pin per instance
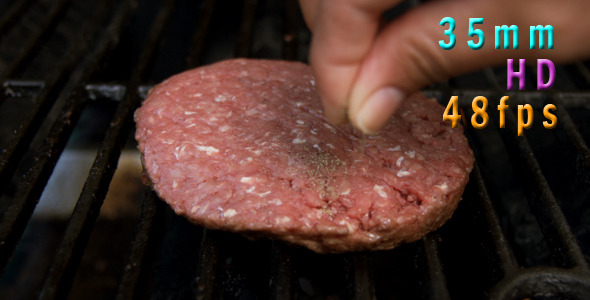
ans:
(406, 56)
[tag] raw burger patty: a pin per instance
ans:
(243, 145)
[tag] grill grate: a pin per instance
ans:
(28, 192)
(478, 253)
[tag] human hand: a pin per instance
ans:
(365, 68)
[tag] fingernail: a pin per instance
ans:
(378, 108)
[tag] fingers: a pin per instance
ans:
(344, 32)
(364, 72)
(309, 8)
(406, 56)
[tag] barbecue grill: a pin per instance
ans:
(521, 231)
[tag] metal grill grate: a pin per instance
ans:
(478, 253)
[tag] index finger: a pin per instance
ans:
(343, 34)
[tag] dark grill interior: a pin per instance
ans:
(72, 74)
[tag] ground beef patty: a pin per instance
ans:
(243, 145)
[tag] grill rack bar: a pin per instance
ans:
(198, 41)
(519, 148)
(16, 149)
(535, 182)
(554, 226)
(583, 71)
(78, 231)
(206, 284)
(438, 282)
(33, 41)
(281, 278)
(582, 153)
(503, 249)
(12, 14)
(358, 276)
(246, 28)
(18, 213)
(557, 232)
(150, 210)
